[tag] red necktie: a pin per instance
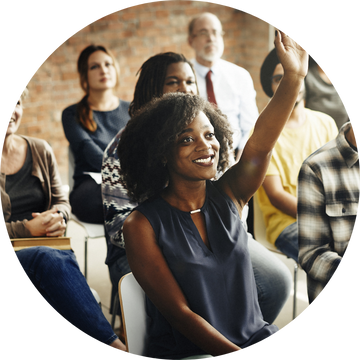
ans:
(209, 88)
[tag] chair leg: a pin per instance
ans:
(115, 310)
(295, 289)
(85, 256)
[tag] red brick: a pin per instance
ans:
(34, 129)
(70, 76)
(191, 12)
(149, 33)
(146, 24)
(127, 16)
(133, 34)
(163, 40)
(116, 26)
(162, 13)
(166, 22)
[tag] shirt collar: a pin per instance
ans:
(203, 70)
(350, 155)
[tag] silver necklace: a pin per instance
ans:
(194, 211)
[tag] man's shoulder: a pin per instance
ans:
(229, 65)
(234, 73)
(323, 155)
(221, 64)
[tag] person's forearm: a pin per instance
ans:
(286, 203)
(202, 334)
(18, 229)
(279, 198)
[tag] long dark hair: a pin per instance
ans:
(84, 113)
(152, 78)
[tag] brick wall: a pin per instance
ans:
(133, 35)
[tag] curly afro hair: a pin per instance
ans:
(150, 135)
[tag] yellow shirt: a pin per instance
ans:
(292, 148)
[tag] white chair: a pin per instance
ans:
(92, 231)
(132, 302)
(96, 296)
(260, 236)
(134, 317)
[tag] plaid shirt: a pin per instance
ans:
(328, 196)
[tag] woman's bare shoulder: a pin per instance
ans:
(136, 223)
(135, 217)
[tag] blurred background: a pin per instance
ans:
(133, 35)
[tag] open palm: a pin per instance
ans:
(292, 56)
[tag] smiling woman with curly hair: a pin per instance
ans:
(142, 163)
(146, 174)
(186, 244)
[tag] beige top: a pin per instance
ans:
(45, 168)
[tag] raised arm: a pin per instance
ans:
(244, 178)
(154, 276)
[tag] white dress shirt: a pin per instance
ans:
(235, 96)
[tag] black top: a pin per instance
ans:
(88, 147)
(25, 192)
(218, 284)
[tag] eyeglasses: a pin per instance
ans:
(276, 78)
(207, 34)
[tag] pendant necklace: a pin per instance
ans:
(194, 211)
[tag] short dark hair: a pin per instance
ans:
(267, 70)
(152, 78)
(150, 135)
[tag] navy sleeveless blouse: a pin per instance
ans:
(219, 283)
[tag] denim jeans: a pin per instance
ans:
(273, 280)
(56, 275)
(288, 243)
(86, 202)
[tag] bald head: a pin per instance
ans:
(199, 17)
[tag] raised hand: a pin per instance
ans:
(292, 56)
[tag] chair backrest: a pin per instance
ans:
(71, 170)
(134, 317)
